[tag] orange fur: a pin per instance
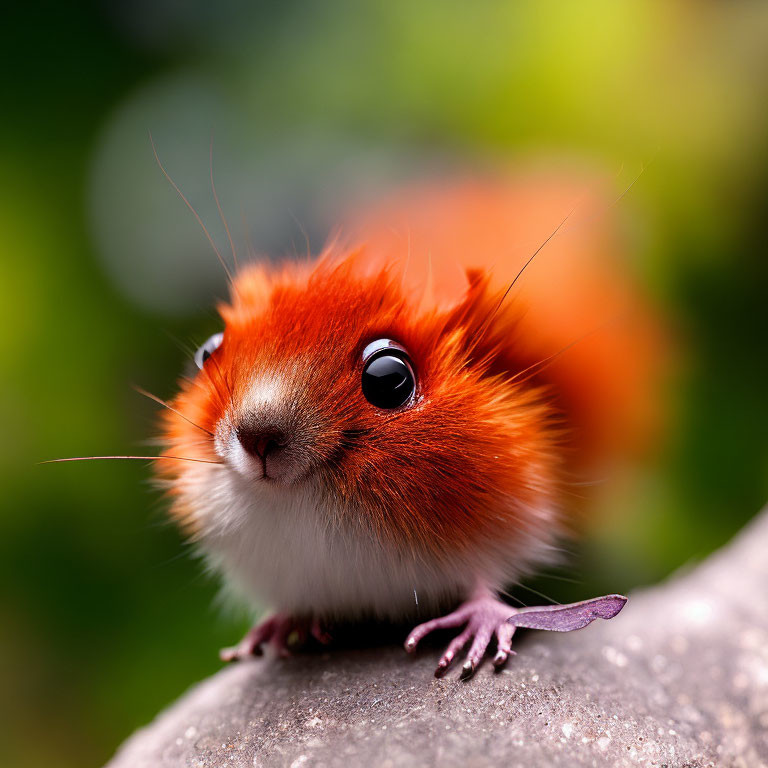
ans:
(580, 285)
(492, 434)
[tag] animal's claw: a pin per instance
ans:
(277, 630)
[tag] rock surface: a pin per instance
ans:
(679, 678)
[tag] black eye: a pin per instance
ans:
(388, 378)
(210, 346)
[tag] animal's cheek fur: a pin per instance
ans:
(450, 475)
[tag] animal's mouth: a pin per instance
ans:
(265, 476)
(263, 469)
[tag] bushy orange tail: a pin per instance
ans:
(587, 330)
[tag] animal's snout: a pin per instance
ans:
(261, 441)
(269, 436)
(274, 451)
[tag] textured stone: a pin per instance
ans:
(680, 678)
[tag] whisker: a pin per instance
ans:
(539, 594)
(221, 375)
(191, 208)
(615, 202)
(577, 226)
(141, 458)
(558, 577)
(492, 314)
(218, 208)
(184, 553)
(185, 346)
(508, 594)
(185, 443)
(634, 181)
(162, 402)
(546, 361)
(303, 232)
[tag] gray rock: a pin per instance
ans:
(679, 678)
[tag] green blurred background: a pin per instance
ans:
(106, 278)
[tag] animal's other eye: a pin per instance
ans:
(210, 346)
(388, 378)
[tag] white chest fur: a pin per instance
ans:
(279, 545)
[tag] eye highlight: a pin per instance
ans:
(388, 380)
(207, 349)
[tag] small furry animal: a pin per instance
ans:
(397, 426)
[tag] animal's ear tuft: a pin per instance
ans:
(475, 276)
(475, 305)
(479, 292)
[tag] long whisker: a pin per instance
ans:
(576, 226)
(540, 594)
(544, 362)
(558, 577)
(218, 208)
(191, 208)
(506, 293)
(509, 595)
(187, 347)
(615, 202)
(162, 402)
(141, 458)
(182, 443)
(221, 376)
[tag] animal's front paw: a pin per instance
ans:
(277, 631)
(485, 617)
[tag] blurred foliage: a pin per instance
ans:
(106, 616)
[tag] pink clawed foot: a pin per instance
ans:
(485, 616)
(275, 630)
